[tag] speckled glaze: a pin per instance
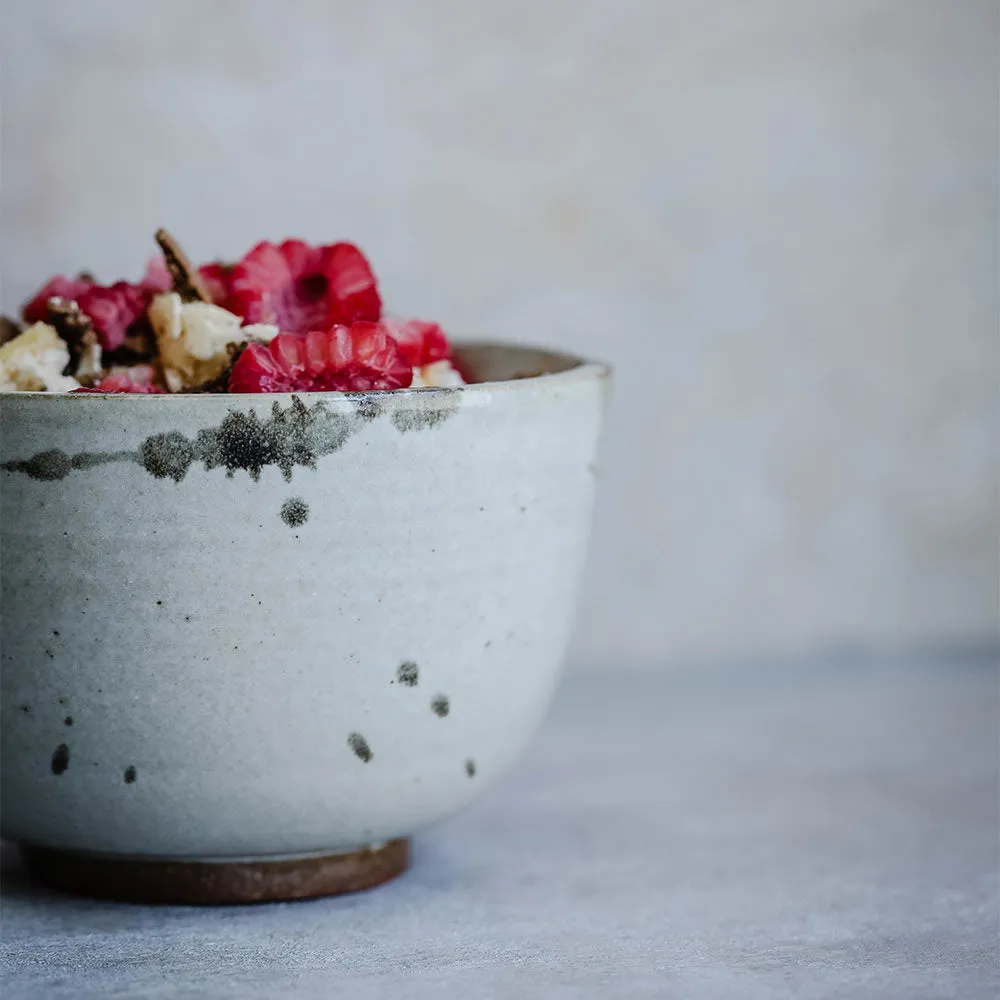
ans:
(274, 626)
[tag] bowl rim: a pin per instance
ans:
(578, 369)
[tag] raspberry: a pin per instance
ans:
(299, 288)
(216, 279)
(59, 287)
(120, 383)
(420, 342)
(112, 309)
(340, 359)
(157, 277)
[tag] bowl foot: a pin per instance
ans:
(210, 883)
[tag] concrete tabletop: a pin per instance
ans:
(801, 830)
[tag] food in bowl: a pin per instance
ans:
(286, 317)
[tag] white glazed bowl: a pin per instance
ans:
(271, 626)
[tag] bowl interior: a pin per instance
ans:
(486, 362)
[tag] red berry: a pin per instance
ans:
(59, 287)
(112, 309)
(340, 359)
(157, 278)
(298, 287)
(420, 342)
(216, 278)
(120, 383)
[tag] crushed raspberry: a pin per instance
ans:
(216, 278)
(421, 343)
(157, 278)
(298, 287)
(340, 359)
(120, 383)
(59, 287)
(112, 309)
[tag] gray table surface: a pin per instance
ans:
(802, 830)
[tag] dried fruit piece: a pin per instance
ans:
(421, 342)
(299, 288)
(69, 320)
(186, 280)
(194, 339)
(340, 359)
(87, 365)
(34, 361)
(118, 384)
(75, 328)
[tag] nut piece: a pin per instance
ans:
(34, 361)
(438, 374)
(194, 339)
(187, 282)
(76, 329)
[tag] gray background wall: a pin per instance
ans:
(778, 218)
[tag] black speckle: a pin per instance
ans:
(295, 512)
(55, 631)
(360, 747)
(440, 706)
(425, 410)
(56, 464)
(487, 644)
(367, 407)
(68, 721)
(46, 465)
(60, 759)
(130, 775)
(50, 654)
(408, 673)
(297, 435)
(92, 459)
(62, 701)
(294, 436)
(25, 708)
(523, 509)
(167, 456)
(187, 618)
(470, 768)
(159, 602)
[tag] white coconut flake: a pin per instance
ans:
(441, 375)
(34, 362)
(194, 339)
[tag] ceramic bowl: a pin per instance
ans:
(240, 631)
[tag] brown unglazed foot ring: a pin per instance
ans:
(211, 883)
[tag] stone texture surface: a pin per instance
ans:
(785, 212)
(788, 831)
